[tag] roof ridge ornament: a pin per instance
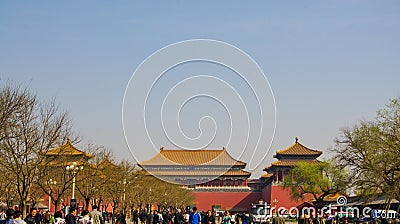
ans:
(68, 140)
(297, 139)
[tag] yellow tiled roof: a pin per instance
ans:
(291, 162)
(65, 163)
(106, 163)
(266, 175)
(67, 149)
(192, 157)
(198, 173)
(298, 149)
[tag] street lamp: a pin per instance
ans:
(275, 201)
(74, 169)
(150, 199)
(51, 182)
(124, 188)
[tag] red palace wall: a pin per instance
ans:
(226, 200)
(266, 194)
(283, 196)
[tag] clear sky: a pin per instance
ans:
(329, 64)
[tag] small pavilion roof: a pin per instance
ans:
(291, 162)
(297, 149)
(67, 149)
(177, 157)
(266, 175)
(106, 162)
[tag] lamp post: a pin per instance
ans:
(150, 199)
(124, 198)
(51, 182)
(124, 188)
(275, 201)
(74, 169)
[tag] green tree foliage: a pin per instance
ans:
(317, 179)
(370, 151)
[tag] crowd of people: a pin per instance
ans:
(11, 216)
(188, 217)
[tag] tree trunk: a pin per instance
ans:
(87, 201)
(55, 205)
(99, 203)
(23, 208)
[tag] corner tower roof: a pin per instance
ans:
(297, 149)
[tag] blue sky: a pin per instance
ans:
(329, 64)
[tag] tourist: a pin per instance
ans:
(194, 217)
(209, 218)
(136, 217)
(150, 217)
(85, 218)
(2, 215)
(167, 217)
(246, 219)
(227, 218)
(178, 217)
(104, 215)
(121, 218)
(155, 217)
(71, 217)
(39, 217)
(9, 217)
(46, 217)
(143, 216)
(96, 216)
(30, 219)
(233, 218)
(18, 217)
(186, 217)
(58, 218)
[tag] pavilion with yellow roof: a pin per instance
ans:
(273, 191)
(66, 154)
(62, 156)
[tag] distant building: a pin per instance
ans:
(62, 156)
(218, 181)
(278, 171)
(66, 154)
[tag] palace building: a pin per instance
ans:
(61, 157)
(273, 192)
(220, 182)
(66, 154)
(217, 180)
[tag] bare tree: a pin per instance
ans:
(56, 181)
(92, 177)
(28, 130)
(13, 98)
